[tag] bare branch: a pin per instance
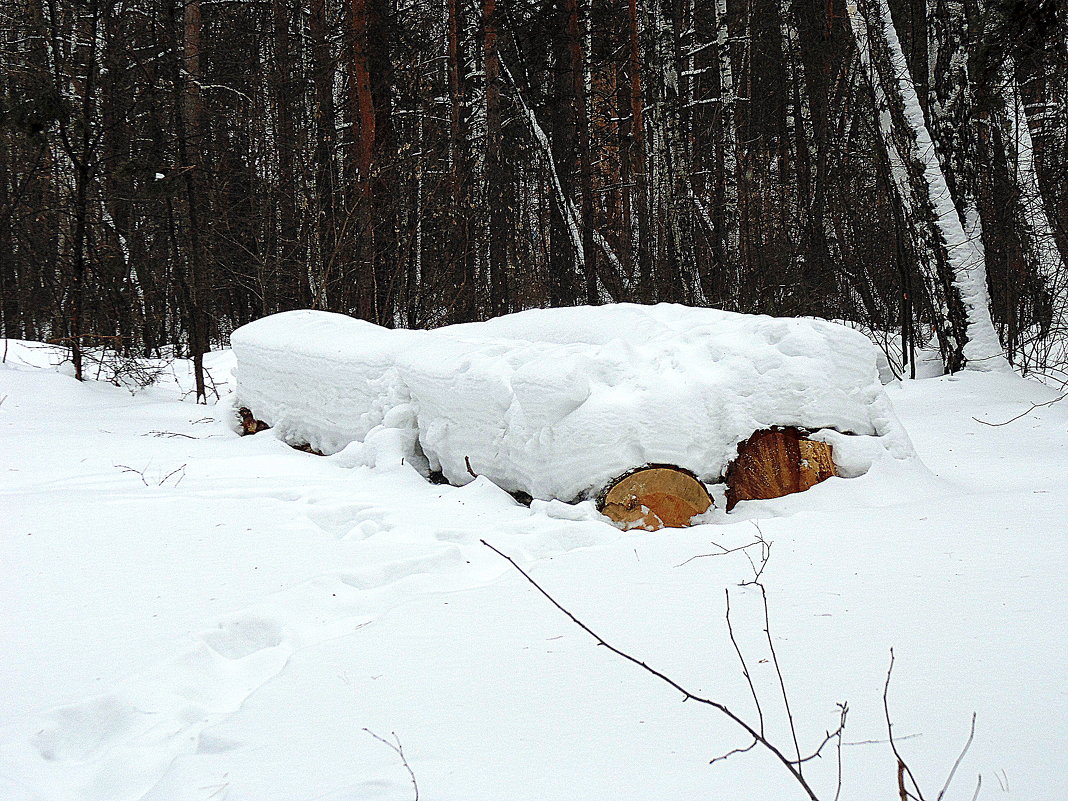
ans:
(775, 662)
(731, 753)
(745, 668)
(843, 710)
(724, 550)
(902, 767)
(168, 435)
(967, 745)
(687, 694)
(180, 469)
(398, 749)
(1023, 413)
(140, 473)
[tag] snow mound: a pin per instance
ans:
(557, 402)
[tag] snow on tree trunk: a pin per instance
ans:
(960, 239)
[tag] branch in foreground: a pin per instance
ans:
(687, 695)
(903, 768)
(398, 749)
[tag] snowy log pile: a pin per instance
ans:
(559, 403)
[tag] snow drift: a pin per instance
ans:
(558, 402)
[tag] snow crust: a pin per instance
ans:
(557, 402)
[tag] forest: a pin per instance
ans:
(173, 169)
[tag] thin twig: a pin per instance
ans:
(181, 469)
(140, 473)
(160, 482)
(687, 695)
(967, 745)
(723, 552)
(902, 766)
(843, 710)
(731, 753)
(745, 667)
(765, 555)
(883, 742)
(778, 669)
(1021, 414)
(168, 434)
(838, 786)
(399, 750)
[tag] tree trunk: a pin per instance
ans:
(965, 331)
(325, 133)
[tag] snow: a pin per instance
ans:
(557, 402)
(230, 632)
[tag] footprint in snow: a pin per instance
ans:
(337, 520)
(382, 575)
(244, 636)
(79, 732)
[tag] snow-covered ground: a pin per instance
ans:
(190, 615)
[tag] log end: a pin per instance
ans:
(655, 497)
(777, 462)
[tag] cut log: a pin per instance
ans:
(655, 497)
(777, 462)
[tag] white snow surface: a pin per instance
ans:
(190, 615)
(557, 402)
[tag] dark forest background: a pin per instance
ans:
(171, 170)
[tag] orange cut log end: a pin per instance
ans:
(655, 497)
(774, 462)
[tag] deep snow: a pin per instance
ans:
(229, 631)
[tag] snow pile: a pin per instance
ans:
(558, 402)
